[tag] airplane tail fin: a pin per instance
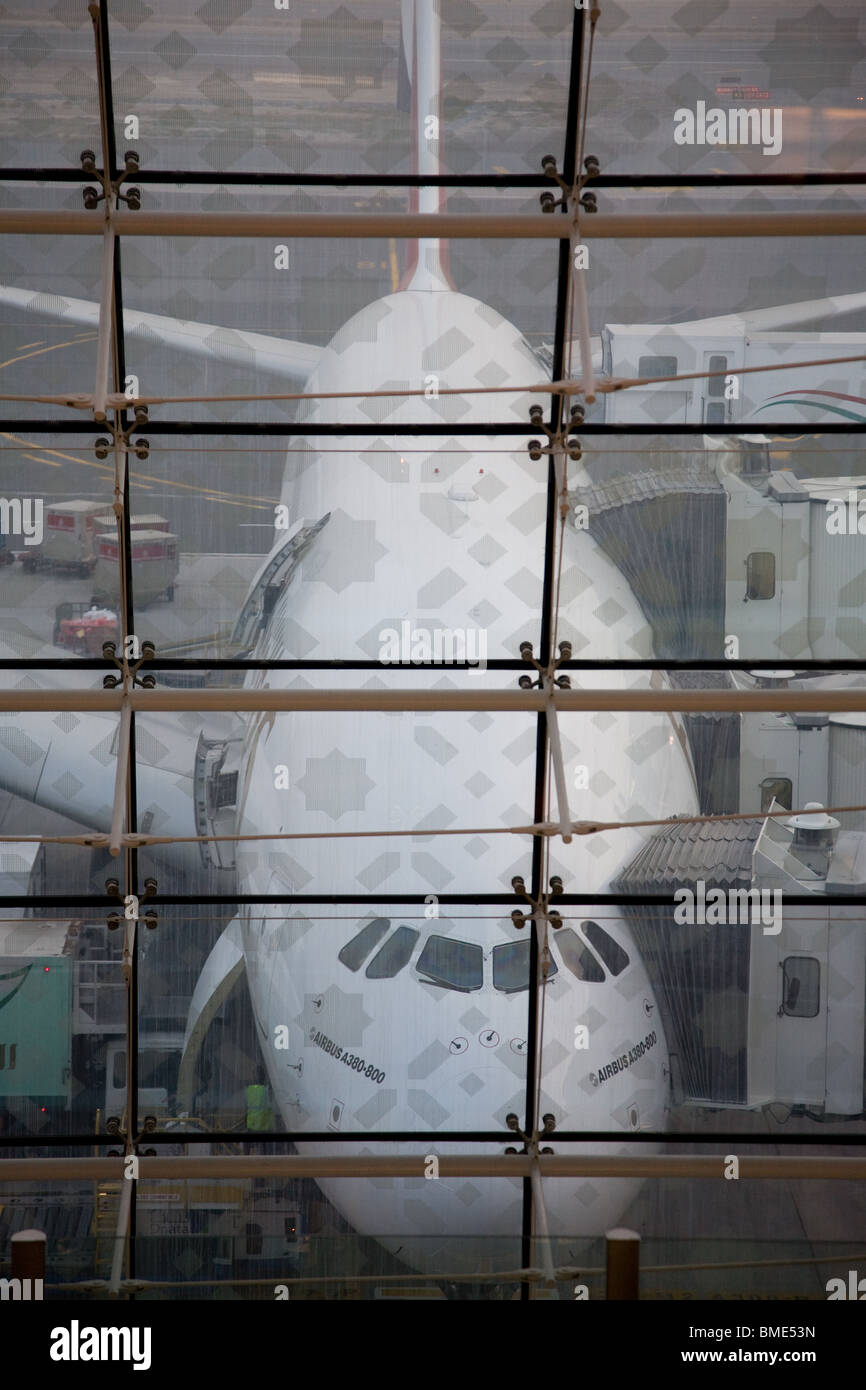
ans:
(418, 90)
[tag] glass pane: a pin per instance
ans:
(577, 957)
(691, 97)
(332, 94)
(356, 951)
(390, 959)
(511, 967)
(608, 950)
(452, 964)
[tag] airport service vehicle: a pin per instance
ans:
(154, 564)
(84, 627)
(68, 541)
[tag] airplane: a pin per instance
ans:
(396, 1019)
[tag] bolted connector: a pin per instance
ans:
(131, 161)
(525, 682)
(112, 887)
(110, 682)
(101, 447)
(109, 651)
(556, 887)
(112, 1124)
(113, 921)
(564, 682)
(592, 166)
(150, 920)
(150, 888)
(149, 1125)
(534, 447)
(132, 198)
(565, 651)
(142, 448)
(555, 920)
(518, 919)
(518, 884)
(91, 197)
(577, 414)
(549, 1123)
(148, 650)
(88, 161)
(574, 450)
(512, 1122)
(511, 1149)
(589, 202)
(547, 201)
(536, 415)
(548, 165)
(526, 651)
(147, 682)
(141, 417)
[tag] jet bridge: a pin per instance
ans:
(762, 1002)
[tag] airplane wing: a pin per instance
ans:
(776, 317)
(291, 360)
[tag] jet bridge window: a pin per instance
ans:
(657, 366)
(609, 951)
(390, 959)
(780, 789)
(801, 987)
(452, 964)
(511, 967)
(761, 574)
(356, 951)
(577, 957)
(716, 384)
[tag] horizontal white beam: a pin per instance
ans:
(393, 701)
(450, 1166)
(472, 226)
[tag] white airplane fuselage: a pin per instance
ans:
(444, 534)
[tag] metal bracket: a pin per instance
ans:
(587, 200)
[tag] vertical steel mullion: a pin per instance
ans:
(125, 558)
(532, 1057)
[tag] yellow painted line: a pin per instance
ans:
(144, 479)
(23, 346)
(73, 342)
(58, 453)
(49, 463)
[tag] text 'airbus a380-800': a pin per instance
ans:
(400, 1020)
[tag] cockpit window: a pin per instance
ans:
(356, 951)
(511, 967)
(611, 953)
(577, 957)
(390, 958)
(452, 964)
